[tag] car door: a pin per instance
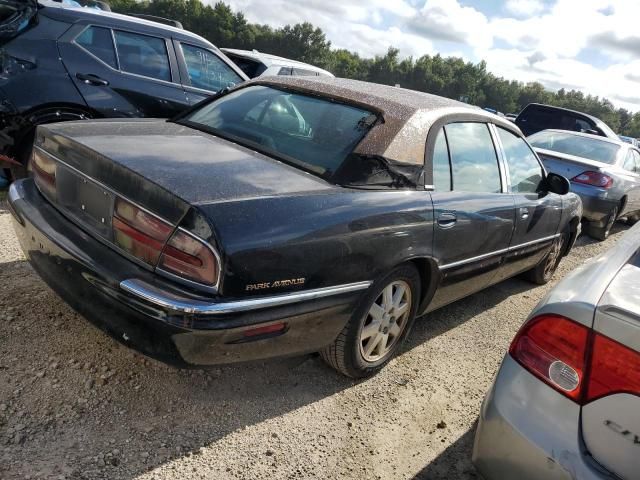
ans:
(631, 178)
(203, 72)
(122, 73)
(538, 212)
(474, 213)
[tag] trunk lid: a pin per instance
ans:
(193, 166)
(611, 424)
(566, 165)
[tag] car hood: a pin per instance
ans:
(197, 167)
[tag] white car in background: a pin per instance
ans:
(257, 64)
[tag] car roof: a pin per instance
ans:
(587, 135)
(408, 115)
(268, 59)
(72, 14)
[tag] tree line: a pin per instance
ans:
(446, 76)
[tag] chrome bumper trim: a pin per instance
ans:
(159, 297)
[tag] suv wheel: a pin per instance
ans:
(378, 326)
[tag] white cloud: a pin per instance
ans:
(593, 45)
(524, 8)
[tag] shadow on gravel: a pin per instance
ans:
(454, 462)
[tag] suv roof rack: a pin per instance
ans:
(153, 18)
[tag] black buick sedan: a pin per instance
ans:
(288, 215)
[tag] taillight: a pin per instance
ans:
(190, 258)
(553, 348)
(579, 363)
(139, 233)
(614, 368)
(596, 179)
(44, 172)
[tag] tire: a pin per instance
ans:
(351, 353)
(542, 273)
(602, 233)
(24, 146)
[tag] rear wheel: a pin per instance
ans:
(24, 144)
(602, 233)
(543, 272)
(378, 326)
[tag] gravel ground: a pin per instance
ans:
(75, 404)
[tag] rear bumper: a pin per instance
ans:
(528, 431)
(161, 319)
(596, 203)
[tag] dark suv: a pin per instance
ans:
(63, 63)
(536, 117)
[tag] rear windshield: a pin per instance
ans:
(312, 133)
(577, 145)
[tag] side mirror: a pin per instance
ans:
(557, 184)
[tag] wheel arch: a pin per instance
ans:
(429, 274)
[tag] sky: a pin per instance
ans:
(590, 45)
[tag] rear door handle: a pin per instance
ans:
(91, 79)
(524, 213)
(447, 220)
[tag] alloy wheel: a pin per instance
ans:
(385, 321)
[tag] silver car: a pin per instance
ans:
(565, 403)
(603, 171)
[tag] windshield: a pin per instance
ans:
(312, 133)
(591, 148)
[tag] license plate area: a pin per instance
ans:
(84, 199)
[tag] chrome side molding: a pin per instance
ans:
(161, 298)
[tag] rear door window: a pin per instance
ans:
(474, 163)
(525, 172)
(143, 55)
(99, 42)
(208, 71)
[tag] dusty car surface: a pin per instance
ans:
(565, 402)
(604, 172)
(289, 215)
(60, 63)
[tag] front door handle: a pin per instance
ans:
(524, 213)
(447, 220)
(91, 79)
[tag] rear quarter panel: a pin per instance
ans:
(318, 240)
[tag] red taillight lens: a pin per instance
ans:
(189, 258)
(553, 348)
(138, 232)
(596, 179)
(44, 172)
(614, 369)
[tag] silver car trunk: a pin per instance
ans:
(611, 424)
(568, 166)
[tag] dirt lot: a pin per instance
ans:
(75, 404)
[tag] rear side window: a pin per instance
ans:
(441, 166)
(207, 70)
(525, 172)
(285, 71)
(474, 164)
(632, 161)
(143, 55)
(301, 72)
(98, 41)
